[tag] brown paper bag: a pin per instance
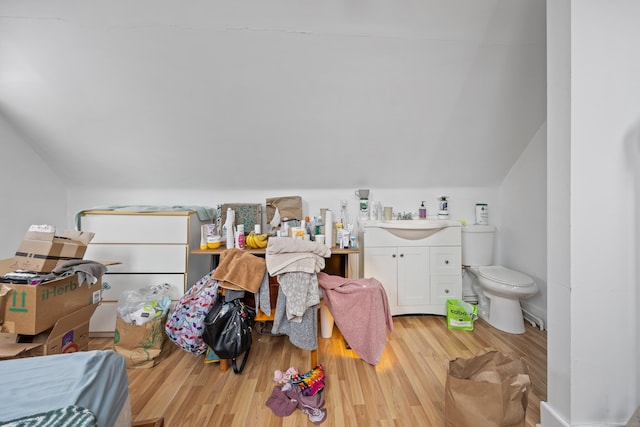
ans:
(488, 390)
(140, 345)
(290, 207)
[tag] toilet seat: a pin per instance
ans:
(504, 276)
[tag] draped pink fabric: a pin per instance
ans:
(361, 311)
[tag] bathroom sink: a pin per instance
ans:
(413, 229)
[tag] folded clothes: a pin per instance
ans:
(88, 271)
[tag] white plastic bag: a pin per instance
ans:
(140, 306)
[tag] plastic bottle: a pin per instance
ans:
(203, 237)
(482, 214)
(343, 213)
(319, 223)
(310, 227)
(231, 217)
(422, 212)
(240, 236)
(443, 213)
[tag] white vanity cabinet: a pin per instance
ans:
(419, 271)
(151, 247)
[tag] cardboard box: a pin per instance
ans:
(69, 334)
(5, 294)
(43, 251)
(33, 309)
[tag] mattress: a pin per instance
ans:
(95, 380)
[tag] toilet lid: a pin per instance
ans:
(505, 276)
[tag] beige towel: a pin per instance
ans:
(283, 245)
(285, 255)
(239, 270)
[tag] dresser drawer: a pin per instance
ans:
(140, 258)
(137, 228)
(114, 284)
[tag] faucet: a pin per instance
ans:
(405, 215)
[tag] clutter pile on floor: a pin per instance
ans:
(304, 392)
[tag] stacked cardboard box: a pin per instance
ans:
(69, 334)
(52, 317)
(42, 251)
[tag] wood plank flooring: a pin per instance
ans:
(406, 388)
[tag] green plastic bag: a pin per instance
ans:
(460, 315)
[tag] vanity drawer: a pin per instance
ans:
(444, 288)
(445, 260)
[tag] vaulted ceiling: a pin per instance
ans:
(274, 93)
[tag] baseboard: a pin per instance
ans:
(550, 418)
(532, 315)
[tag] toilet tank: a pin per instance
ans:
(477, 244)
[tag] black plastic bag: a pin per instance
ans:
(227, 330)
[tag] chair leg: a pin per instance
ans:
(314, 358)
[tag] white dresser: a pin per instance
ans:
(151, 247)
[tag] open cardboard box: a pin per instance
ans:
(69, 334)
(30, 310)
(42, 251)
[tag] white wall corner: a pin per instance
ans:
(550, 418)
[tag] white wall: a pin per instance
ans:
(523, 207)
(264, 82)
(30, 191)
(557, 409)
(593, 117)
(461, 202)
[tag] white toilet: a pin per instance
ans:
(499, 289)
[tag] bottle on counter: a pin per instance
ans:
(240, 236)
(422, 212)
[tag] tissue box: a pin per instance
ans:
(43, 251)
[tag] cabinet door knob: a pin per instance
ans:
(446, 261)
(446, 291)
(401, 255)
(393, 256)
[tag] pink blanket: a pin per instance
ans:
(361, 311)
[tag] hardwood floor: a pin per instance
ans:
(406, 388)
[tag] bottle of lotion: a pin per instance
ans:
(422, 211)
